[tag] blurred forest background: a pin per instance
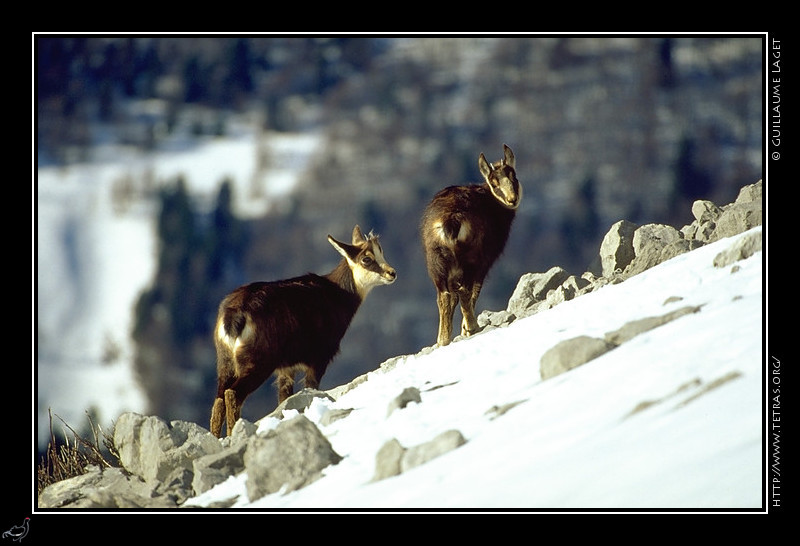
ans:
(603, 129)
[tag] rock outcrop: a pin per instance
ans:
(629, 249)
(164, 464)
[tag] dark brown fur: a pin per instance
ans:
(290, 325)
(464, 230)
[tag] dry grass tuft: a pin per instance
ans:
(68, 459)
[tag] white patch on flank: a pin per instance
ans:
(233, 343)
(464, 231)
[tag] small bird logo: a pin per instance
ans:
(18, 532)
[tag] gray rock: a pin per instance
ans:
(736, 219)
(569, 289)
(741, 250)
(496, 411)
(751, 193)
(107, 488)
(699, 231)
(153, 449)
(331, 416)
(410, 394)
(616, 250)
(636, 327)
(289, 457)
(387, 460)
(242, 431)
(649, 241)
(678, 247)
(211, 470)
(705, 211)
(300, 401)
(421, 454)
(393, 459)
(572, 353)
(495, 318)
(533, 288)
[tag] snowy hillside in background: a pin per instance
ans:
(94, 256)
(670, 419)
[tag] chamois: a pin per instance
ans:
(290, 325)
(464, 230)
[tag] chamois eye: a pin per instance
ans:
(366, 260)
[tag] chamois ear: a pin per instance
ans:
(508, 156)
(358, 237)
(349, 252)
(484, 166)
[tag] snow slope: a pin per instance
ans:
(670, 419)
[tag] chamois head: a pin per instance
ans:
(365, 259)
(502, 179)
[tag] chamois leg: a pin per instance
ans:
(468, 298)
(224, 382)
(311, 379)
(217, 416)
(285, 383)
(447, 306)
(233, 409)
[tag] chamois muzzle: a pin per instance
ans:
(389, 275)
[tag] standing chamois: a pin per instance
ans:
(290, 325)
(464, 230)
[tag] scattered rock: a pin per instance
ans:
(107, 488)
(287, 458)
(387, 460)
(410, 394)
(300, 401)
(579, 350)
(532, 288)
(393, 459)
(636, 327)
(495, 319)
(743, 249)
(705, 211)
(616, 250)
(162, 453)
(649, 242)
(421, 454)
(572, 353)
(213, 469)
(496, 411)
(331, 416)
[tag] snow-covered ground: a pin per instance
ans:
(671, 419)
(95, 253)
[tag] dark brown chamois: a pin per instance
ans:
(464, 230)
(291, 325)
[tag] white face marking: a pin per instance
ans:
(366, 279)
(366, 262)
(505, 192)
